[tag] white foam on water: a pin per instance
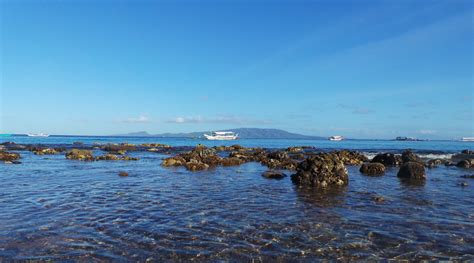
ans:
(443, 156)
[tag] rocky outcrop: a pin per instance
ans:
(372, 169)
(274, 175)
(409, 156)
(231, 161)
(321, 170)
(294, 149)
(434, 163)
(467, 151)
(81, 155)
(8, 156)
(120, 149)
(387, 159)
(412, 170)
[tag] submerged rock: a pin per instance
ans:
(123, 174)
(273, 174)
(412, 170)
(321, 170)
(82, 155)
(8, 156)
(173, 161)
(46, 151)
(467, 151)
(387, 159)
(372, 169)
(468, 176)
(231, 161)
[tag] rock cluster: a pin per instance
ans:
(86, 155)
(46, 151)
(467, 163)
(321, 170)
(372, 169)
(351, 157)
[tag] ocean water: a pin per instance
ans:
(57, 209)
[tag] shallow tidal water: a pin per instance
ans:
(58, 209)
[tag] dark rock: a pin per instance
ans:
(387, 159)
(77, 143)
(82, 155)
(273, 175)
(123, 174)
(412, 170)
(119, 148)
(409, 156)
(467, 151)
(321, 170)
(372, 169)
(434, 163)
(9, 157)
(278, 155)
(378, 199)
(468, 163)
(463, 184)
(468, 176)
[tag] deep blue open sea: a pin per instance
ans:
(65, 210)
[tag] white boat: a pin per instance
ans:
(38, 134)
(221, 136)
(336, 138)
(467, 139)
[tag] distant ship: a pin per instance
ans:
(222, 136)
(38, 134)
(336, 138)
(467, 139)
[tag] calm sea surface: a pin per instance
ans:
(57, 209)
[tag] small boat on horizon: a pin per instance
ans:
(336, 138)
(38, 134)
(222, 136)
(467, 139)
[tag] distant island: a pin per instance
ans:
(244, 133)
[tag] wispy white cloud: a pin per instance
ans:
(217, 119)
(139, 119)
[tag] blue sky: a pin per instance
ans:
(365, 69)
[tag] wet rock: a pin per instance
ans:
(387, 159)
(14, 147)
(8, 156)
(351, 157)
(294, 149)
(118, 148)
(273, 175)
(467, 151)
(468, 176)
(123, 174)
(463, 184)
(278, 155)
(173, 161)
(372, 169)
(195, 165)
(77, 143)
(46, 151)
(113, 157)
(155, 145)
(321, 170)
(409, 156)
(468, 163)
(412, 170)
(231, 161)
(449, 163)
(82, 155)
(434, 163)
